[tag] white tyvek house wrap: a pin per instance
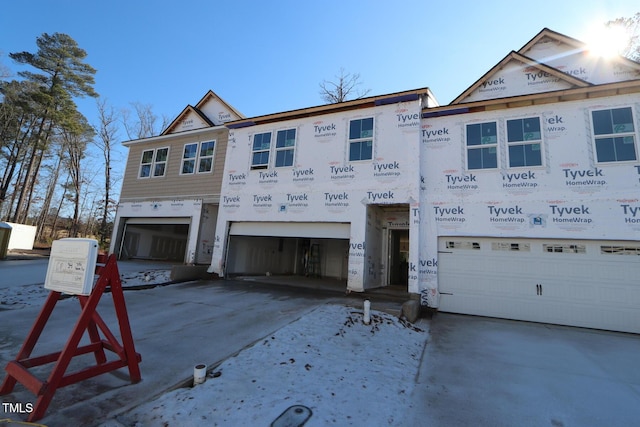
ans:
(514, 79)
(323, 185)
(580, 63)
(570, 196)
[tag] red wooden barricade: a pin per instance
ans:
(90, 321)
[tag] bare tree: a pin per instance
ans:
(107, 136)
(75, 137)
(344, 87)
(144, 124)
(631, 26)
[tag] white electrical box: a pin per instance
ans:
(72, 266)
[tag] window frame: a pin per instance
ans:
(482, 146)
(197, 157)
(361, 139)
(153, 163)
(633, 134)
(273, 150)
(525, 142)
(261, 150)
(284, 148)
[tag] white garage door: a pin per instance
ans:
(588, 283)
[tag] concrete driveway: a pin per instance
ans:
(490, 372)
(174, 328)
(474, 371)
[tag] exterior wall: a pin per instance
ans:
(570, 196)
(323, 185)
(193, 196)
(207, 233)
(205, 186)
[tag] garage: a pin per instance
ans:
(586, 283)
(314, 249)
(155, 238)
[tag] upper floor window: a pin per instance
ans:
(260, 150)
(524, 139)
(361, 139)
(198, 157)
(482, 146)
(153, 163)
(614, 135)
(285, 147)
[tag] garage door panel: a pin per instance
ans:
(582, 286)
(329, 230)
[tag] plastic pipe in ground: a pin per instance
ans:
(199, 374)
(367, 312)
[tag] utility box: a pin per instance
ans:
(5, 235)
(72, 265)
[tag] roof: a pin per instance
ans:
(368, 102)
(208, 98)
(548, 56)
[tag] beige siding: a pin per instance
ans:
(204, 186)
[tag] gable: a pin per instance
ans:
(217, 110)
(518, 75)
(572, 57)
(210, 111)
(549, 62)
(189, 119)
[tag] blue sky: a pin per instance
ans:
(270, 56)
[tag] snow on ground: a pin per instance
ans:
(345, 372)
(35, 294)
(147, 277)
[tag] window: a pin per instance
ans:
(614, 135)
(620, 250)
(524, 139)
(451, 244)
(260, 150)
(153, 163)
(509, 247)
(285, 147)
(189, 158)
(482, 146)
(564, 248)
(203, 158)
(361, 139)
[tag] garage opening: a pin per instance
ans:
(297, 249)
(148, 238)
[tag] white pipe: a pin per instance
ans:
(367, 314)
(199, 374)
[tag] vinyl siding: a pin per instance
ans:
(172, 185)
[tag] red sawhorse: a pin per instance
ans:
(90, 321)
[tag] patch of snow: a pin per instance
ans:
(35, 294)
(345, 372)
(147, 277)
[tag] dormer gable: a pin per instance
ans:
(189, 119)
(518, 75)
(210, 111)
(217, 110)
(573, 57)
